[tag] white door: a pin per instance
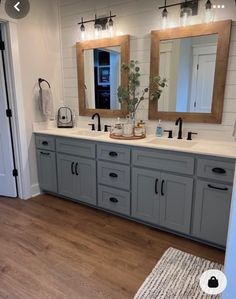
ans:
(7, 180)
(202, 100)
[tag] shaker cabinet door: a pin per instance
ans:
(77, 178)
(85, 180)
(211, 212)
(66, 175)
(47, 172)
(176, 202)
(145, 195)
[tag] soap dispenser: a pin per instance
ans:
(159, 129)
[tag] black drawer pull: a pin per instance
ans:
(44, 143)
(218, 170)
(218, 188)
(76, 169)
(72, 168)
(113, 175)
(113, 199)
(113, 154)
(45, 154)
(162, 188)
(156, 183)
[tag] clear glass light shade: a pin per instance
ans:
(185, 14)
(110, 28)
(82, 32)
(97, 31)
(209, 16)
(164, 19)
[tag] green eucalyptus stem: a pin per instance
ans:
(129, 94)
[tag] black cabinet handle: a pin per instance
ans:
(156, 183)
(113, 175)
(45, 154)
(162, 187)
(218, 188)
(113, 154)
(72, 167)
(218, 170)
(44, 143)
(113, 199)
(76, 169)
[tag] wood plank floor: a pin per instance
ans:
(53, 248)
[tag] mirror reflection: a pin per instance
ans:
(188, 64)
(102, 77)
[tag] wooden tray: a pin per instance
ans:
(113, 136)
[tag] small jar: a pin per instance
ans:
(117, 130)
(141, 124)
(138, 131)
(128, 130)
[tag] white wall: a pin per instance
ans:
(39, 50)
(138, 18)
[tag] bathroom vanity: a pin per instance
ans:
(181, 186)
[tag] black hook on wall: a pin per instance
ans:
(40, 80)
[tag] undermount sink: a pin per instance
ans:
(173, 142)
(89, 133)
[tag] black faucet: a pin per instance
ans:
(179, 122)
(99, 120)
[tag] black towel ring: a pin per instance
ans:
(40, 80)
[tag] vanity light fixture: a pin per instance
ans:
(101, 24)
(187, 9)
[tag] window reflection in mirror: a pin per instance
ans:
(102, 77)
(189, 66)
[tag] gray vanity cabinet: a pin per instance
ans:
(77, 178)
(176, 202)
(145, 195)
(47, 172)
(211, 211)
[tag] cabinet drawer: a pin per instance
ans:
(213, 169)
(163, 161)
(113, 153)
(114, 175)
(114, 200)
(45, 142)
(76, 147)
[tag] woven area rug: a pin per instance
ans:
(176, 275)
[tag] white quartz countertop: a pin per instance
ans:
(226, 149)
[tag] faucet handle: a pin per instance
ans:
(190, 135)
(106, 128)
(93, 126)
(170, 135)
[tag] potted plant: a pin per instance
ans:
(130, 96)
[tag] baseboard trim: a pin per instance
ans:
(35, 190)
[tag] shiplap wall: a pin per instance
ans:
(138, 18)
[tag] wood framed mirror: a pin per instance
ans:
(99, 75)
(194, 61)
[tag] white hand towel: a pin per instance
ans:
(46, 102)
